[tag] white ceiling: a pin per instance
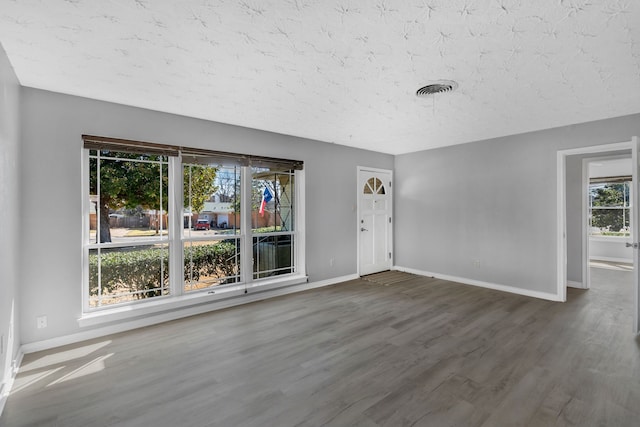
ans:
(343, 71)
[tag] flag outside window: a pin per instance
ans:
(266, 198)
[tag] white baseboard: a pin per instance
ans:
(5, 388)
(178, 314)
(611, 259)
(473, 282)
(574, 284)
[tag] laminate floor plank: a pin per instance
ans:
(392, 349)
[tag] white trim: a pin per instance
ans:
(246, 234)
(584, 232)
(473, 282)
(5, 388)
(635, 231)
(176, 224)
(256, 295)
(561, 227)
(612, 259)
(602, 148)
(86, 232)
(574, 284)
(611, 239)
(299, 224)
(166, 304)
(561, 213)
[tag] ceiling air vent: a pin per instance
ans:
(441, 86)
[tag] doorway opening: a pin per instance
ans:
(596, 217)
(607, 213)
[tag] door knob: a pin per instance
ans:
(363, 229)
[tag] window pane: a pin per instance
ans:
(118, 275)
(272, 200)
(128, 195)
(211, 263)
(609, 209)
(367, 189)
(212, 207)
(610, 221)
(211, 200)
(93, 198)
(608, 195)
(272, 255)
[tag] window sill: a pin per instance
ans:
(610, 238)
(212, 298)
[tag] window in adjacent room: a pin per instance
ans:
(609, 207)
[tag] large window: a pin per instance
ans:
(161, 223)
(609, 207)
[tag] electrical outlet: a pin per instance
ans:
(331, 261)
(476, 263)
(41, 322)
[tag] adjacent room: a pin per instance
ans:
(297, 213)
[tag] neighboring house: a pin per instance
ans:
(220, 214)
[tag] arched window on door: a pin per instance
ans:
(374, 186)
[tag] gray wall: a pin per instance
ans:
(9, 221)
(51, 177)
(492, 201)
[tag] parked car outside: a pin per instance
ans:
(202, 224)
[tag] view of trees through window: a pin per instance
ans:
(609, 207)
(130, 222)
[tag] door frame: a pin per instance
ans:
(359, 170)
(561, 235)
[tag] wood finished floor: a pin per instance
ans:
(400, 351)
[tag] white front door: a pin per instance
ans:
(374, 220)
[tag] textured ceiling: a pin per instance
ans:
(340, 71)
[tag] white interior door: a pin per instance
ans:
(635, 231)
(374, 221)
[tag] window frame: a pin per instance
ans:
(625, 208)
(88, 245)
(187, 237)
(175, 240)
(278, 191)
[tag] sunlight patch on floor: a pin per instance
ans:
(24, 381)
(96, 365)
(57, 357)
